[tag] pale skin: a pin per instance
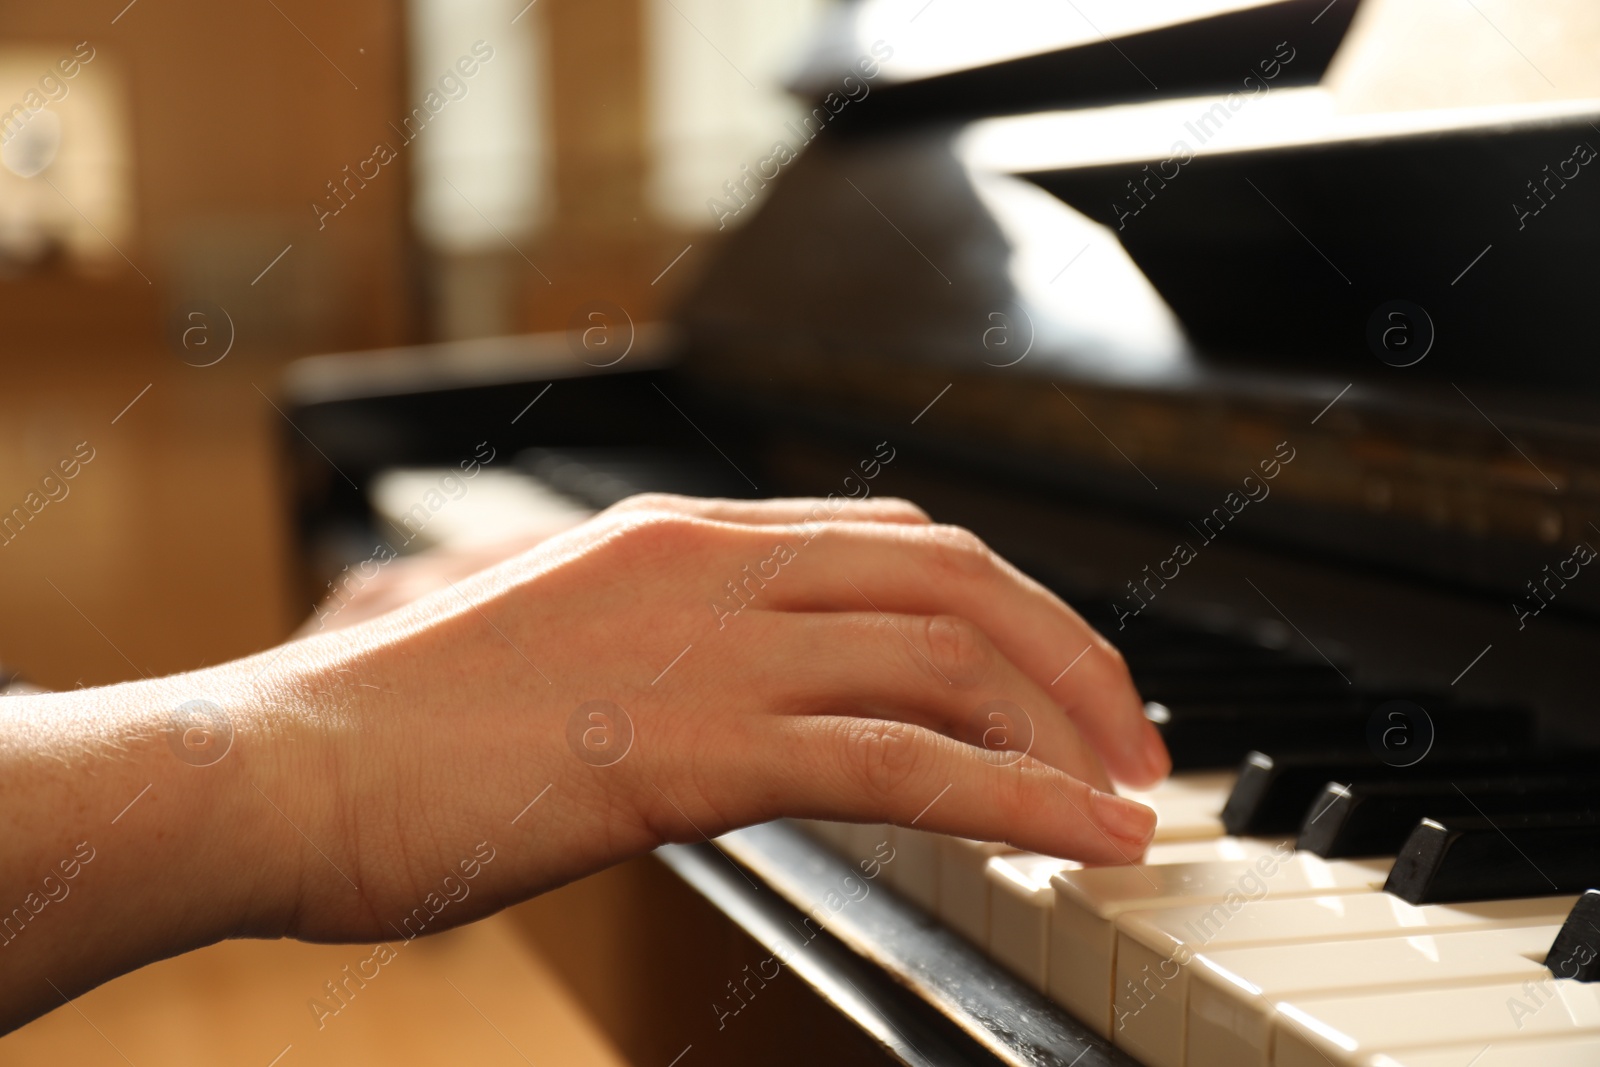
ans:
(368, 761)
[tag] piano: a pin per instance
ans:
(1295, 403)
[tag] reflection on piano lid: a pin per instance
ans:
(1287, 240)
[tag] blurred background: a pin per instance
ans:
(195, 194)
(210, 175)
(212, 158)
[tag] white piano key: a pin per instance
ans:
(866, 840)
(1188, 806)
(1083, 937)
(914, 874)
(964, 885)
(1348, 1031)
(1154, 948)
(1021, 898)
(1232, 992)
(1214, 849)
(829, 835)
(1580, 1051)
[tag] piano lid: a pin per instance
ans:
(1280, 228)
(938, 60)
(877, 273)
(1263, 228)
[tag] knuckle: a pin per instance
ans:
(650, 502)
(651, 536)
(960, 553)
(1113, 658)
(958, 650)
(1016, 791)
(909, 509)
(887, 755)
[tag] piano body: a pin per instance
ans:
(1295, 404)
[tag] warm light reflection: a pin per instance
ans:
(934, 38)
(1092, 311)
(1279, 118)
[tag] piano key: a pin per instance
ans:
(963, 892)
(1580, 1051)
(1374, 818)
(1021, 898)
(1347, 1031)
(1274, 794)
(1575, 953)
(1268, 669)
(1083, 935)
(1182, 652)
(914, 874)
(1282, 680)
(1163, 943)
(1220, 733)
(1188, 806)
(1485, 859)
(1233, 993)
(866, 841)
(831, 835)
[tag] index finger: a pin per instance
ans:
(932, 570)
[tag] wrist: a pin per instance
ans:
(134, 831)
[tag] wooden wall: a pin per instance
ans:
(172, 549)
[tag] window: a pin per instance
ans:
(716, 95)
(66, 183)
(480, 139)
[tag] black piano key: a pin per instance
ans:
(1374, 818)
(1214, 734)
(1453, 860)
(1257, 680)
(1188, 656)
(1575, 954)
(1274, 794)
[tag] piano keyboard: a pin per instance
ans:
(1323, 906)
(1314, 903)
(1241, 952)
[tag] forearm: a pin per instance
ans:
(125, 838)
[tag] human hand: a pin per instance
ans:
(848, 681)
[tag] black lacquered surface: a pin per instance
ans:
(1012, 1022)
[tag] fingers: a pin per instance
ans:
(942, 570)
(939, 672)
(861, 770)
(775, 512)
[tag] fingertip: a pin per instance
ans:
(1125, 821)
(1145, 760)
(1157, 758)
